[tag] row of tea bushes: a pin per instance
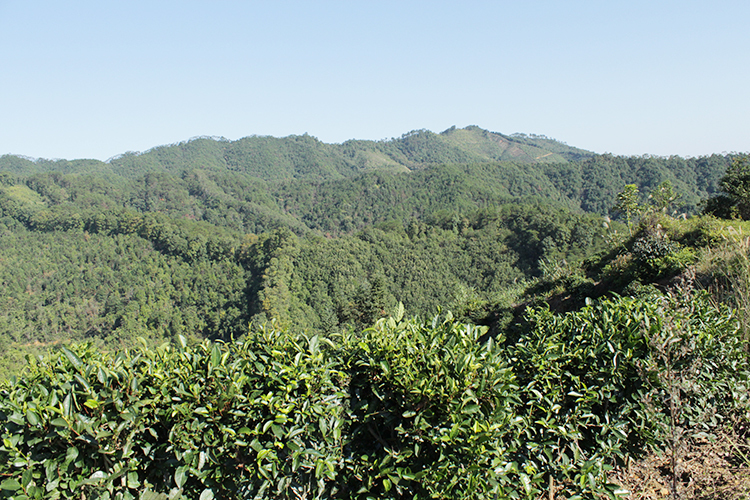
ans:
(407, 409)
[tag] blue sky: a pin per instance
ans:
(93, 79)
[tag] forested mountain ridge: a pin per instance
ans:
(199, 189)
(304, 156)
(260, 183)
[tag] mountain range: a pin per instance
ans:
(304, 156)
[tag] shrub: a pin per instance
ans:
(406, 409)
(209, 420)
(599, 384)
(433, 413)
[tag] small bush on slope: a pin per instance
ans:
(625, 376)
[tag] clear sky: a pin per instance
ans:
(93, 79)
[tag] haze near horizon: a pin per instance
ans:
(87, 79)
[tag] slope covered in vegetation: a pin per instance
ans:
(267, 318)
(296, 157)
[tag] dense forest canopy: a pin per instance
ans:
(260, 183)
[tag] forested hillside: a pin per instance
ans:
(296, 157)
(261, 183)
(287, 251)
(206, 236)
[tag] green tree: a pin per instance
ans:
(662, 197)
(627, 204)
(736, 184)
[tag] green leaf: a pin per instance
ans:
(208, 494)
(92, 403)
(387, 485)
(27, 476)
(17, 418)
(133, 481)
(74, 360)
(215, 356)
(314, 343)
(399, 312)
(83, 382)
(95, 478)
(72, 454)
(386, 369)
(180, 475)
(66, 405)
(151, 495)
(32, 418)
(469, 409)
(10, 484)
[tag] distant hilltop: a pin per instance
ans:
(304, 156)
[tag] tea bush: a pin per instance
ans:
(596, 388)
(407, 409)
(433, 412)
(261, 417)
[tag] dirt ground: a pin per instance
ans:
(705, 470)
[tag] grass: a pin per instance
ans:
(24, 195)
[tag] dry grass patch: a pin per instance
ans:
(706, 471)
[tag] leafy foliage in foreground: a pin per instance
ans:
(406, 409)
(191, 420)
